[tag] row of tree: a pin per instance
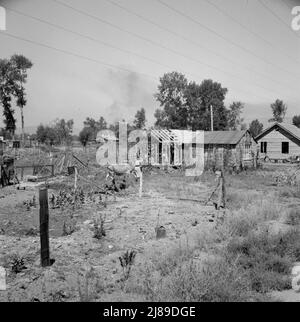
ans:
(60, 132)
(188, 105)
(92, 126)
(183, 105)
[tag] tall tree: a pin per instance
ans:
(95, 126)
(47, 134)
(255, 127)
(7, 90)
(85, 135)
(171, 96)
(92, 124)
(279, 110)
(140, 119)
(101, 124)
(296, 120)
(187, 105)
(63, 130)
(21, 64)
(13, 75)
(200, 99)
(235, 121)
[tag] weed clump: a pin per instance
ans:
(126, 262)
(17, 264)
(98, 226)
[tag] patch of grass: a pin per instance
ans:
(241, 199)
(166, 263)
(293, 217)
(69, 227)
(289, 192)
(86, 292)
(267, 258)
(216, 281)
(242, 221)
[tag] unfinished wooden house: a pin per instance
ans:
(221, 148)
(280, 141)
(174, 147)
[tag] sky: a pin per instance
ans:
(97, 58)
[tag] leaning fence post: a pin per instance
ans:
(44, 227)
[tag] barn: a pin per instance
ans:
(280, 141)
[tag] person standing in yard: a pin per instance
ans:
(218, 195)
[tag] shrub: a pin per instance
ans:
(217, 281)
(17, 264)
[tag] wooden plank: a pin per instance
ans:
(81, 162)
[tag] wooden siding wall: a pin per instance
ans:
(274, 141)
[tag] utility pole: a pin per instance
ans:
(211, 118)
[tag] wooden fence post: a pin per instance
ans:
(44, 227)
(75, 178)
(141, 184)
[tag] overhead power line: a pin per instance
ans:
(76, 55)
(224, 38)
(106, 44)
(255, 34)
(107, 65)
(162, 46)
(249, 68)
(98, 41)
(274, 14)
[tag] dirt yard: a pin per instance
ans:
(88, 238)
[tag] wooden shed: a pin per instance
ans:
(229, 148)
(280, 141)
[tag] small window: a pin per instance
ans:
(263, 147)
(285, 148)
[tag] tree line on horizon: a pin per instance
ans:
(183, 105)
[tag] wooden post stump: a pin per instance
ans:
(44, 227)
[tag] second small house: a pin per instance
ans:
(279, 142)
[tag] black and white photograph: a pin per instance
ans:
(149, 153)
